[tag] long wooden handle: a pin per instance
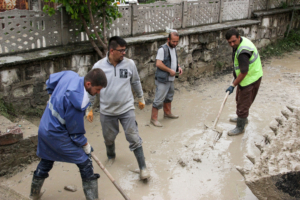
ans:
(222, 105)
(109, 176)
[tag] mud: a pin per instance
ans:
(278, 167)
(179, 156)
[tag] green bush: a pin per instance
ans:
(287, 44)
(7, 110)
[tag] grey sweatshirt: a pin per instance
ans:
(117, 97)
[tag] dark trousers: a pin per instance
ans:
(245, 97)
(85, 168)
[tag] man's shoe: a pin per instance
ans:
(139, 154)
(90, 189)
(155, 123)
(36, 186)
(171, 116)
(153, 119)
(144, 174)
(167, 111)
(240, 125)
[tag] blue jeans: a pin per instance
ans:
(85, 168)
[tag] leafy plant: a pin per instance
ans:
(283, 5)
(85, 12)
(287, 44)
(7, 109)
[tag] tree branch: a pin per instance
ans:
(104, 26)
(90, 37)
(291, 22)
(103, 44)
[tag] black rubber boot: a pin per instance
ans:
(36, 186)
(110, 151)
(240, 125)
(235, 120)
(90, 189)
(139, 154)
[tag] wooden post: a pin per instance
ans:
(184, 14)
(40, 5)
(64, 27)
(29, 5)
(134, 19)
(221, 10)
(251, 2)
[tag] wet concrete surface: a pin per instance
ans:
(181, 161)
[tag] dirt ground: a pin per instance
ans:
(179, 157)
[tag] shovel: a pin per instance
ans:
(109, 176)
(219, 133)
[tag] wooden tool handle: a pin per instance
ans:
(222, 105)
(109, 176)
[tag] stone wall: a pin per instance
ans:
(202, 51)
(18, 144)
(15, 156)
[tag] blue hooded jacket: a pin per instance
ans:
(61, 131)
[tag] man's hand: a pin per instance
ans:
(87, 148)
(172, 72)
(141, 103)
(180, 70)
(230, 89)
(89, 114)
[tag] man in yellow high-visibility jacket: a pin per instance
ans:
(247, 73)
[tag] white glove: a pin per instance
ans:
(87, 148)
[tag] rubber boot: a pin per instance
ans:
(167, 111)
(90, 189)
(153, 119)
(234, 119)
(36, 186)
(240, 125)
(111, 155)
(139, 154)
(110, 151)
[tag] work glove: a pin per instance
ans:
(87, 148)
(141, 103)
(89, 114)
(230, 89)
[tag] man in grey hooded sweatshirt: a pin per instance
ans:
(117, 102)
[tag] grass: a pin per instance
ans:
(287, 44)
(7, 110)
(10, 112)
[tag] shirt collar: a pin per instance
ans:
(85, 100)
(107, 59)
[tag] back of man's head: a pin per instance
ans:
(115, 41)
(97, 78)
(231, 32)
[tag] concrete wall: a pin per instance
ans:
(200, 54)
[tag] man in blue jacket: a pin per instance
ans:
(61, 131)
